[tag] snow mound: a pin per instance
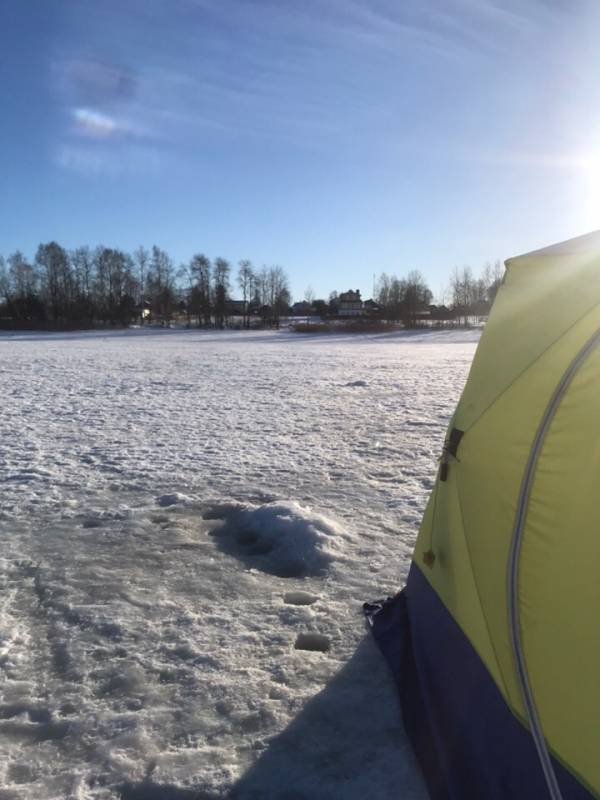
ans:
(283, 539)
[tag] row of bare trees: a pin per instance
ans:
(105, 285)
(468, 296)
(403, 298)
(471, 295)
(85, 286)
(265, 292)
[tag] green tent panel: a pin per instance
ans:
(495, 641)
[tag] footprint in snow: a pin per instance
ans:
(29, 722)
(299, 598)
(308, 641)
(313, 642)
(166, 500)
(92, 522)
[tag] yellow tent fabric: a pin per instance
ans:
(530, 417)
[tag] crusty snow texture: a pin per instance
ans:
(190, 522)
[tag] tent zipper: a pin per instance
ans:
(513, 566)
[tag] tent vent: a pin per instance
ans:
(453, 441)
(450, 449)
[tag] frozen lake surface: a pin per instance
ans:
(190, 522)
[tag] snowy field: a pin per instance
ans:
(190, 522)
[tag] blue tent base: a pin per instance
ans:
(468, 742)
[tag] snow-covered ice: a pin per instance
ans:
(190, 522)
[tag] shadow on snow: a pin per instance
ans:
(347, 743)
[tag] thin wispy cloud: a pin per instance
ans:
(284, 83)
(321, 116)
(97, 125)
(99, 161)
(302, 74)
(92, 80)
(105, 128)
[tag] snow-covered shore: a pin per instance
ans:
(190, 522)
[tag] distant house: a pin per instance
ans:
(350, 304)
(440, 313)
(302, 309)
(236, 308)
(372, 308)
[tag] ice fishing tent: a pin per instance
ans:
(495, 641)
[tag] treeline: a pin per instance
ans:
(403, 298)
(103, 285)
(409, 299)
(265, 292)
(86, 287)
(471, 295)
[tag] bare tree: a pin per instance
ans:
(279, 296)
(496, 276)
(21, 287)
(52, 261)
(21, 275)
(82, 267)
(221, 289)
(4, 281)
(201, 268)
(245, 279)
(115, 285)
(416, 296)
(464, 290)
(161, 284)
(396, 297)
(262, 285)
(382, 290)
(187, 275)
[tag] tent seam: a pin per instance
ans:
(512, 587)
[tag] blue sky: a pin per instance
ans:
(338, 138)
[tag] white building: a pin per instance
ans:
(350, 304)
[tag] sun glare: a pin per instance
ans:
(590, 192)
